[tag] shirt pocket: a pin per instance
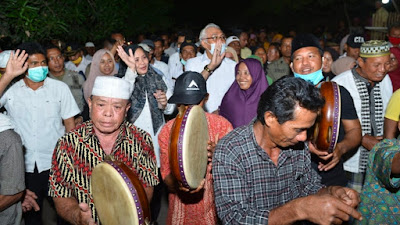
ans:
(52, 108)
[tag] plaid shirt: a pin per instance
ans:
(248, 185)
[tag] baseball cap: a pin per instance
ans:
(148, 42)
(355, 40)
(190, 89)
(231, 39)
(188, 42)
(89, 44)
(72, 49)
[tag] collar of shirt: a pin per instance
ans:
(90, 133)
(23, 84)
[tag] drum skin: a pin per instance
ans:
(188, 146)
(326, 128)
(118, 195)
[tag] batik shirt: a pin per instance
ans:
(79, 151)
(380, 196)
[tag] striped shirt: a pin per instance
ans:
(79, 151)
(247, 183)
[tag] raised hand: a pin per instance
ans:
(128, 59)
(16, 64)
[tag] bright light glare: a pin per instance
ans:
(385, 1)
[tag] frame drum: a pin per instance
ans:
(118, 195)
(188, 146)
(326, 129)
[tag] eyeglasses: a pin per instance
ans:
(214, 38)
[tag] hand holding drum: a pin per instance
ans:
(188, 147)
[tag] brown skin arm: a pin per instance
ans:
(8, 200)
(390, 128)
(369, 141)
(69, 124)
(74, 213)
(396, 164)
(149, 193)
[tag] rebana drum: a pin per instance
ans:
(326, 128)
(188, 146)
(118, 195)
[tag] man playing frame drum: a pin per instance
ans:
(307, 61)
(187, 205)
(106, 135)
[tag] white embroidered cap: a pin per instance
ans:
(112, 87)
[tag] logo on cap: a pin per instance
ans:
(192, 86)
(358, 39)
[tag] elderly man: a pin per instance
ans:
(371, 90)
(42, 109)
(58, 71)
(106, 134)
(307, 64)
(262, 171)
(215, 68)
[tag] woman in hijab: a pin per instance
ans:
(343, 64)
(103, 64)
(149, 104)
(240, 102)
(394, 71)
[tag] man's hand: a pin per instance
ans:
(331, 159)
(369, 141)
(29, 201)
(217, 57)
(326, 209)
(348, 196)
(85, 215)
(16, 64)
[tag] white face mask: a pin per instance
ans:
(223, 47)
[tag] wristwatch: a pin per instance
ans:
(210, 71)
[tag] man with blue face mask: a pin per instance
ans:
(42, 110)
(218, 71)
(307, 60)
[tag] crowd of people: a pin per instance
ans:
(66, 107)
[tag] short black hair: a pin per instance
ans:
(282, 97)
(32, 48)
(393, 25)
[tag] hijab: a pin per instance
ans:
(342, 64)
(395, 74)
(95, 71)
(240, 106)
(147, 84)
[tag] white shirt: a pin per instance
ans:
(38, 117)
(170, 51)
(346, 80)
(175, 67)
(81, 67)
(163, 67)
(218, 82)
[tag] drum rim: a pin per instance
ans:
(336, 114)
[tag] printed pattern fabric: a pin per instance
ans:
(380, 197)
(79, 151)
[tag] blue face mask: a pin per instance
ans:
(183, 62)
(213, 48)
(38, 74)
(314, 78)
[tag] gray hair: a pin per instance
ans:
(203, 31)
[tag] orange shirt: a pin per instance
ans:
(198, 208)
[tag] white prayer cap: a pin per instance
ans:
(4, 57)
(89, 44)
(112, 87)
